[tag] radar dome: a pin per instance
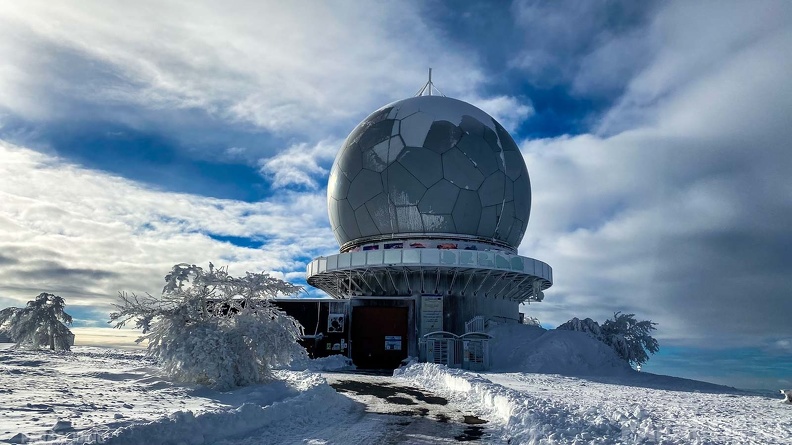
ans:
(429, 166)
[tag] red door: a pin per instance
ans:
(379, 336)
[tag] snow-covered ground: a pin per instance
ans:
(550, 387)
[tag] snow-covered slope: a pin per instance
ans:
(545, 387)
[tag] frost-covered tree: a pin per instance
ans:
(631, 339)
(42, 323)
(211, 328)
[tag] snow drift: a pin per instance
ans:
(522, 348)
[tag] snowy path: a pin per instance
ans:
(382, 410)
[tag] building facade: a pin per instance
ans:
(429, 198)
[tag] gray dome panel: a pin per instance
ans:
(424, 164)
(365, 186)
(429, 164)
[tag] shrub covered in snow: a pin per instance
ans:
(42, 323)
(214, 329)
(631, 339)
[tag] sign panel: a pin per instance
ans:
(393, 342)
(431, 313)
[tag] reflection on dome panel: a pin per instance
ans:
(438, 223)
(376, 134)
(522, 201)
(492, 190)
(440, 198)
(415, 128)
(376, 158)
(467, 212)
(365, 222)
(366, 185)
(408, 219)
(515, 164)
(458, 169)
(350, 162)
(347, 219)
(472, 126)
(505, 139)
(380, 210)
(479, 153)
(424, 164)
(488, 220)
(456, 161)
(442, 136)
(403, 188)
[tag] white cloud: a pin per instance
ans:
(509, 111)
(679, 215)
(285, 67)
(300, 164)
(85, 235)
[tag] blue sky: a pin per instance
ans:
(137, 136)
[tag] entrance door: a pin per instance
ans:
(379, 336)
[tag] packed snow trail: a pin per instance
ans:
(383, 410)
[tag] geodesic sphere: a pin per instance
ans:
(429, 165)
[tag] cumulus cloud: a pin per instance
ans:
(300, 164)
(86, 235)
(681, 216)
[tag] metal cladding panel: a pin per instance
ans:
(358, 258)
(332, 262)
(322, 266)
(467, 258)
(393, 256)
(486, 259)
(411, 256)
(421, 152)
(448, 257)
(430, 256)
(374, 258)
(517, 263)
(344, 260)
(309, 269)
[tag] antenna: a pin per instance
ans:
(427, 88)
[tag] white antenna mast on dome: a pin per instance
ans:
(427, 88)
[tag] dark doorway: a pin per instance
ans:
(379, 336)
